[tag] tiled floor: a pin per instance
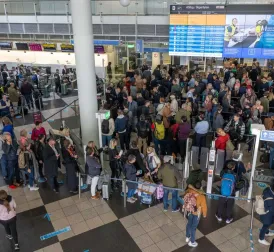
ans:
(102, 226)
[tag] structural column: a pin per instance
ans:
(85, 66)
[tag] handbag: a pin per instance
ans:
(229, 146)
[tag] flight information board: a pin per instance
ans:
(209, 31)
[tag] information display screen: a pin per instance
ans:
(207, 30)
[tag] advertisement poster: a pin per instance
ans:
(249, 36)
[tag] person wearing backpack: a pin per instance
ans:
(267, 219)
(183, 133)
(158, 130)
(143, 131)
(26, 166)
(170, 177)
(228, 184)
(108, 129)
(195, 206)
(121, 123)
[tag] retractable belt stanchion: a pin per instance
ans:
(187, 164)
(211, 167)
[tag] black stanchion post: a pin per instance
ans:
(79, 182)
(125, 194)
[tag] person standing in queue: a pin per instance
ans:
(51, 157)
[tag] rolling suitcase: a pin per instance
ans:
(37, 117)
(105, 190)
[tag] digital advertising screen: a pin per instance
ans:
(213, 31)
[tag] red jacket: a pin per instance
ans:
(35, 133)
(220, 142)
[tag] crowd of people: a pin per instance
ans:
(153, 113)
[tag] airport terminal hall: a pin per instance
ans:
(136, 126)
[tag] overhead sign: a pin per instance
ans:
(22, 46)
(140, 46)
(177, 9)
(67, 48)
(267, 135)
(35, 47)
(5, 45)
(155, 49)
(101, 42)
(49, 47)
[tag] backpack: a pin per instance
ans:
(159, 132)
(190, 203)
(229, 146)
(259, 205)
(228, 184)
(21, 160)
(105, 126)
(34, 78)
(143, 130)
(194, 176)
(264, 158)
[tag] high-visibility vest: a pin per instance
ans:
(228, 34)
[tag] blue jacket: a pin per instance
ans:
(120, 124)
(11, 150)
(9, 128)
(269, 206)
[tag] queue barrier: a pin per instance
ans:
(209, 195)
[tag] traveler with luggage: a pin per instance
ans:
(114, 157)
(183, 132)
(158, 130)
(93, 169)
(267, 217)
(108, 128)
(153, 164)
(130, 174)
(236, 129)
(27, 164)
(70, 161)
(26, 91)
(51, 157)
(37, 131)
(228, 184)
(139, 164)
(10, 148)
(121, 124)
(143, 130)
(14, 96)
(8, 217)
(221, 140)
(170, 177)
(194, 206)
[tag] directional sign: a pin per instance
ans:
(267, 135)
(50, 235)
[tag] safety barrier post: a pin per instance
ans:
(186, 170)
(79, 184)
(74, 103)
(22, 108)
(251, 226)
(125, 194)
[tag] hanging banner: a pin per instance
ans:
(22, 46)
(140, 46)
